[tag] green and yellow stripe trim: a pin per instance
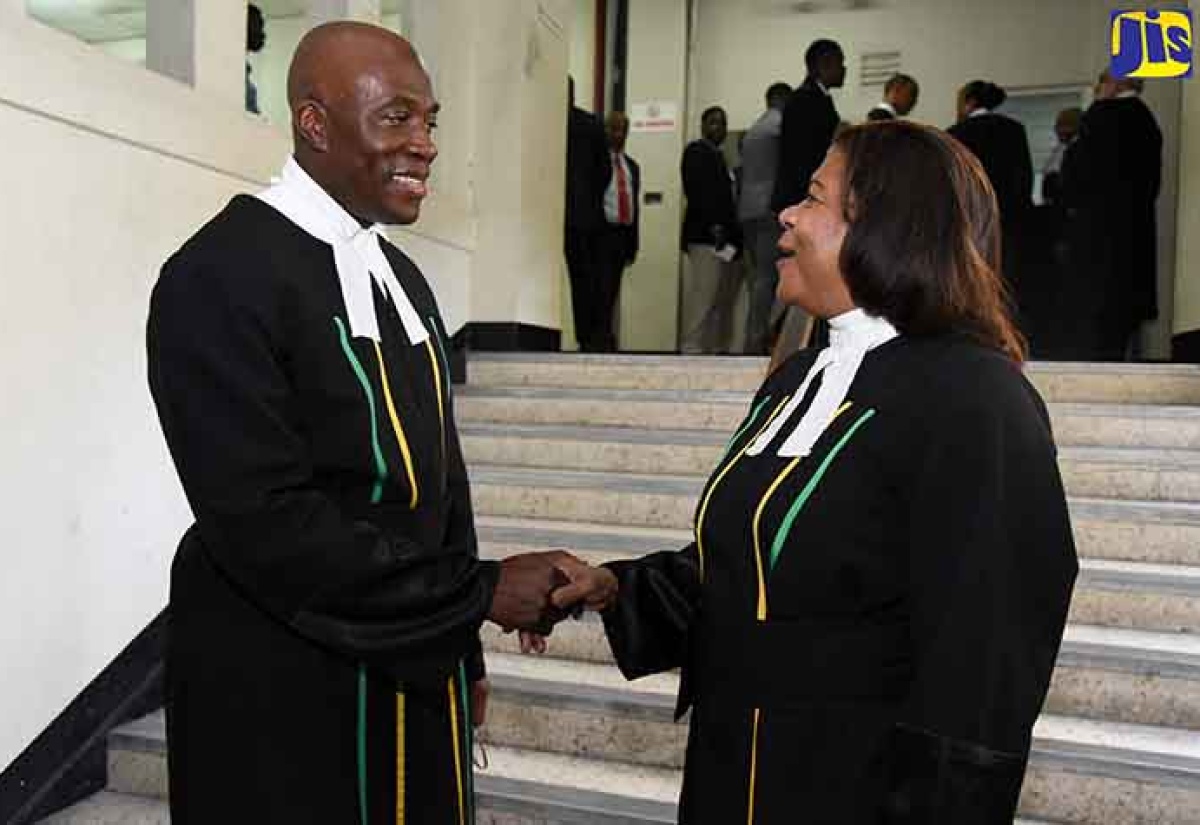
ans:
(361, 374)
(398, 428)
(760, 611)
(708, 494)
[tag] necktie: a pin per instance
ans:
(624, 208)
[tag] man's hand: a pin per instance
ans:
(479, 701)
(521, 600)
(594, 587)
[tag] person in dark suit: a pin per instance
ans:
(1002, 147)
(899, 98)
(618, 245)
(588, 173)
(809, 121)
(256, 39)
(711, 238)
(1111, 179)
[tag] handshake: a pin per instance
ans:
(535, 591)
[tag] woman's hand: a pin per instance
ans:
(593, 587)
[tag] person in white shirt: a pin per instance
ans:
(899, 98)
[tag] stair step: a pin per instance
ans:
(1102, 472)
(1147, 531)
(108, 808)
(1107, 593)
(1079, 769)
(1102, 673)
(1075, 424)
(1067, 382)
(521, 786)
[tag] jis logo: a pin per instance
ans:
(1151, 43)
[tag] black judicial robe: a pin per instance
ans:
(866, 634)
(325, 605)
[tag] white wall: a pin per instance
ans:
(270, 67)
(582, 52)
(657, 68)
(742, 46)
(108, 168)
(1187, 281)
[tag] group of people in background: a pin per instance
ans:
(1079, 267)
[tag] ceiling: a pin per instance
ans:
(102, 21)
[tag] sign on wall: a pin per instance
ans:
(654, 116)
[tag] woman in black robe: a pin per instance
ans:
(1002, 147)
(869, 615)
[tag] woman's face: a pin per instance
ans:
(813, 231)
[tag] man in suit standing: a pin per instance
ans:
(760, 228)
(711, 238)
(1111, 179)
(618, 245)
(809, 121)
(899, 98)
(588, 173)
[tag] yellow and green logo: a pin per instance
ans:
(1151, 43)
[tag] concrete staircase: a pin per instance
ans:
(605, 455)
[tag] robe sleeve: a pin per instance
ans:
(218, 371)
(460, 529)
(657, 597)
(991, 567)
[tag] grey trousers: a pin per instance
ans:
(709, 291)
(762, 237)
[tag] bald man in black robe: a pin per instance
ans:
(324, 663)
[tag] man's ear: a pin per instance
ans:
(312, 122)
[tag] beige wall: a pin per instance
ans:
(1187, 280)
(582, 51)
(108, 168)
(657, 65)
(744, 45)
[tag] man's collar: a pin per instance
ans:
(883, 104)
(980, 112)
(316, 196)
(1125, 95)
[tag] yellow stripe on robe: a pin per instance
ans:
(454, 745)
(720, 476)
(398, 429)
(760, 611)
(401, 779)
(753, 770)
(437, 387)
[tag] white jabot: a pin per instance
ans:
(356, 251)
(851, 336)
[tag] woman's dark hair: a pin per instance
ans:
(923, 245)
(988, 95)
